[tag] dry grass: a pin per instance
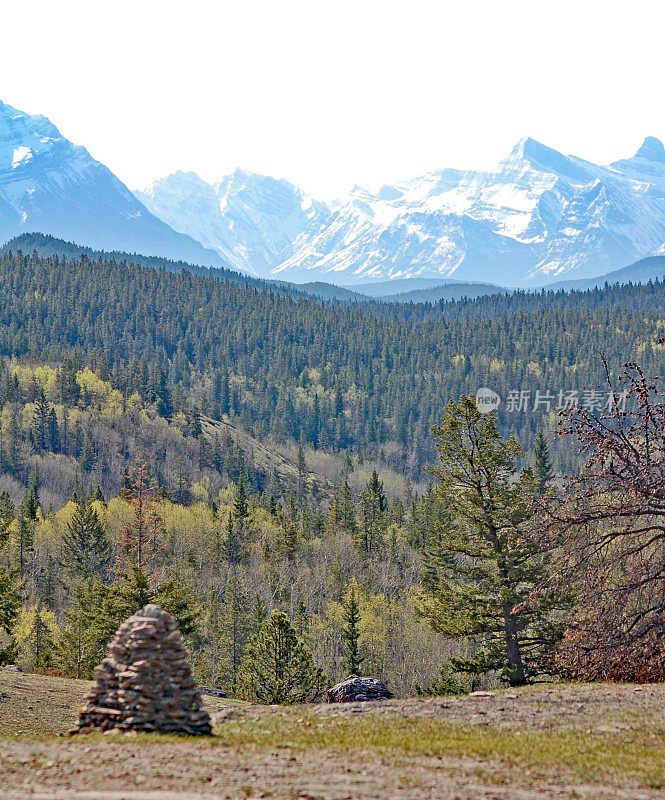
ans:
(594, 741)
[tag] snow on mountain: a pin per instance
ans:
(250, 220)
(539, 216)
(50, 185)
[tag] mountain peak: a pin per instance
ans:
(546, 159)
(652, 150)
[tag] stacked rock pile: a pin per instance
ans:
(358, 690)
(145, 682)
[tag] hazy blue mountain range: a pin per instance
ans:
(538, 217)
(47, 184)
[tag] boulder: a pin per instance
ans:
(212, 691)
(358, 690)
(145, 682)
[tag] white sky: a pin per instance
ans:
(328, 94)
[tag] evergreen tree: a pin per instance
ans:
(132, 590)
(53, 432)
(26, 542)
(35, 633)
(484, 578)
(542, 463)
(351, 632)
(347, 510)
(302, 474)
(30, 504)
(7, 510)
(233, 634)
(240, 508)
(289, 536)
(233, 542)
(86, 549)
(40, 422)
(10, 592)
(79, 647)
(375, 488)
(278, 667)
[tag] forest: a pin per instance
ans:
(370, 378)
(137, 408)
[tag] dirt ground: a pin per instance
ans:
(542, 742)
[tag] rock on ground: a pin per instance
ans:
(356, 689)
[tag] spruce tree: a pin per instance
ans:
(40, 422)
(132, 590)
(79, 646)
(279, 667)
(10, 592)
(7, 509)
(351, 632)
(347, 510)
(240, 508)
(233, 542)
(86, 549)
(26, 542)
(542, 463)
(234, 632)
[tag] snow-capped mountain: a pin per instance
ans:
(251, 220)
(539, 216)
(50, 185)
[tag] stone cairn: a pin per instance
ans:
(145, 682)
(359, 690)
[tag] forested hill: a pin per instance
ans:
(330, 376)
(48, 246)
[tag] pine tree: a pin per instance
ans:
(351, 632)
(240, 508)
(86, 549)
(302, 474)
(278, 667)
(542, 463)
(234, 632)
(11, 590)
(484, 576)
(132, 590)
(26, 542)
(35, 633)
(79, 647)
(7, 509)
(233, 541)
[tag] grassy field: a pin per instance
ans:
(546, 741)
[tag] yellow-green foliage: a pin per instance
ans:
(34, 634)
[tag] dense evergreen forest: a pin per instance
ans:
(369, 378)
(229, 451)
